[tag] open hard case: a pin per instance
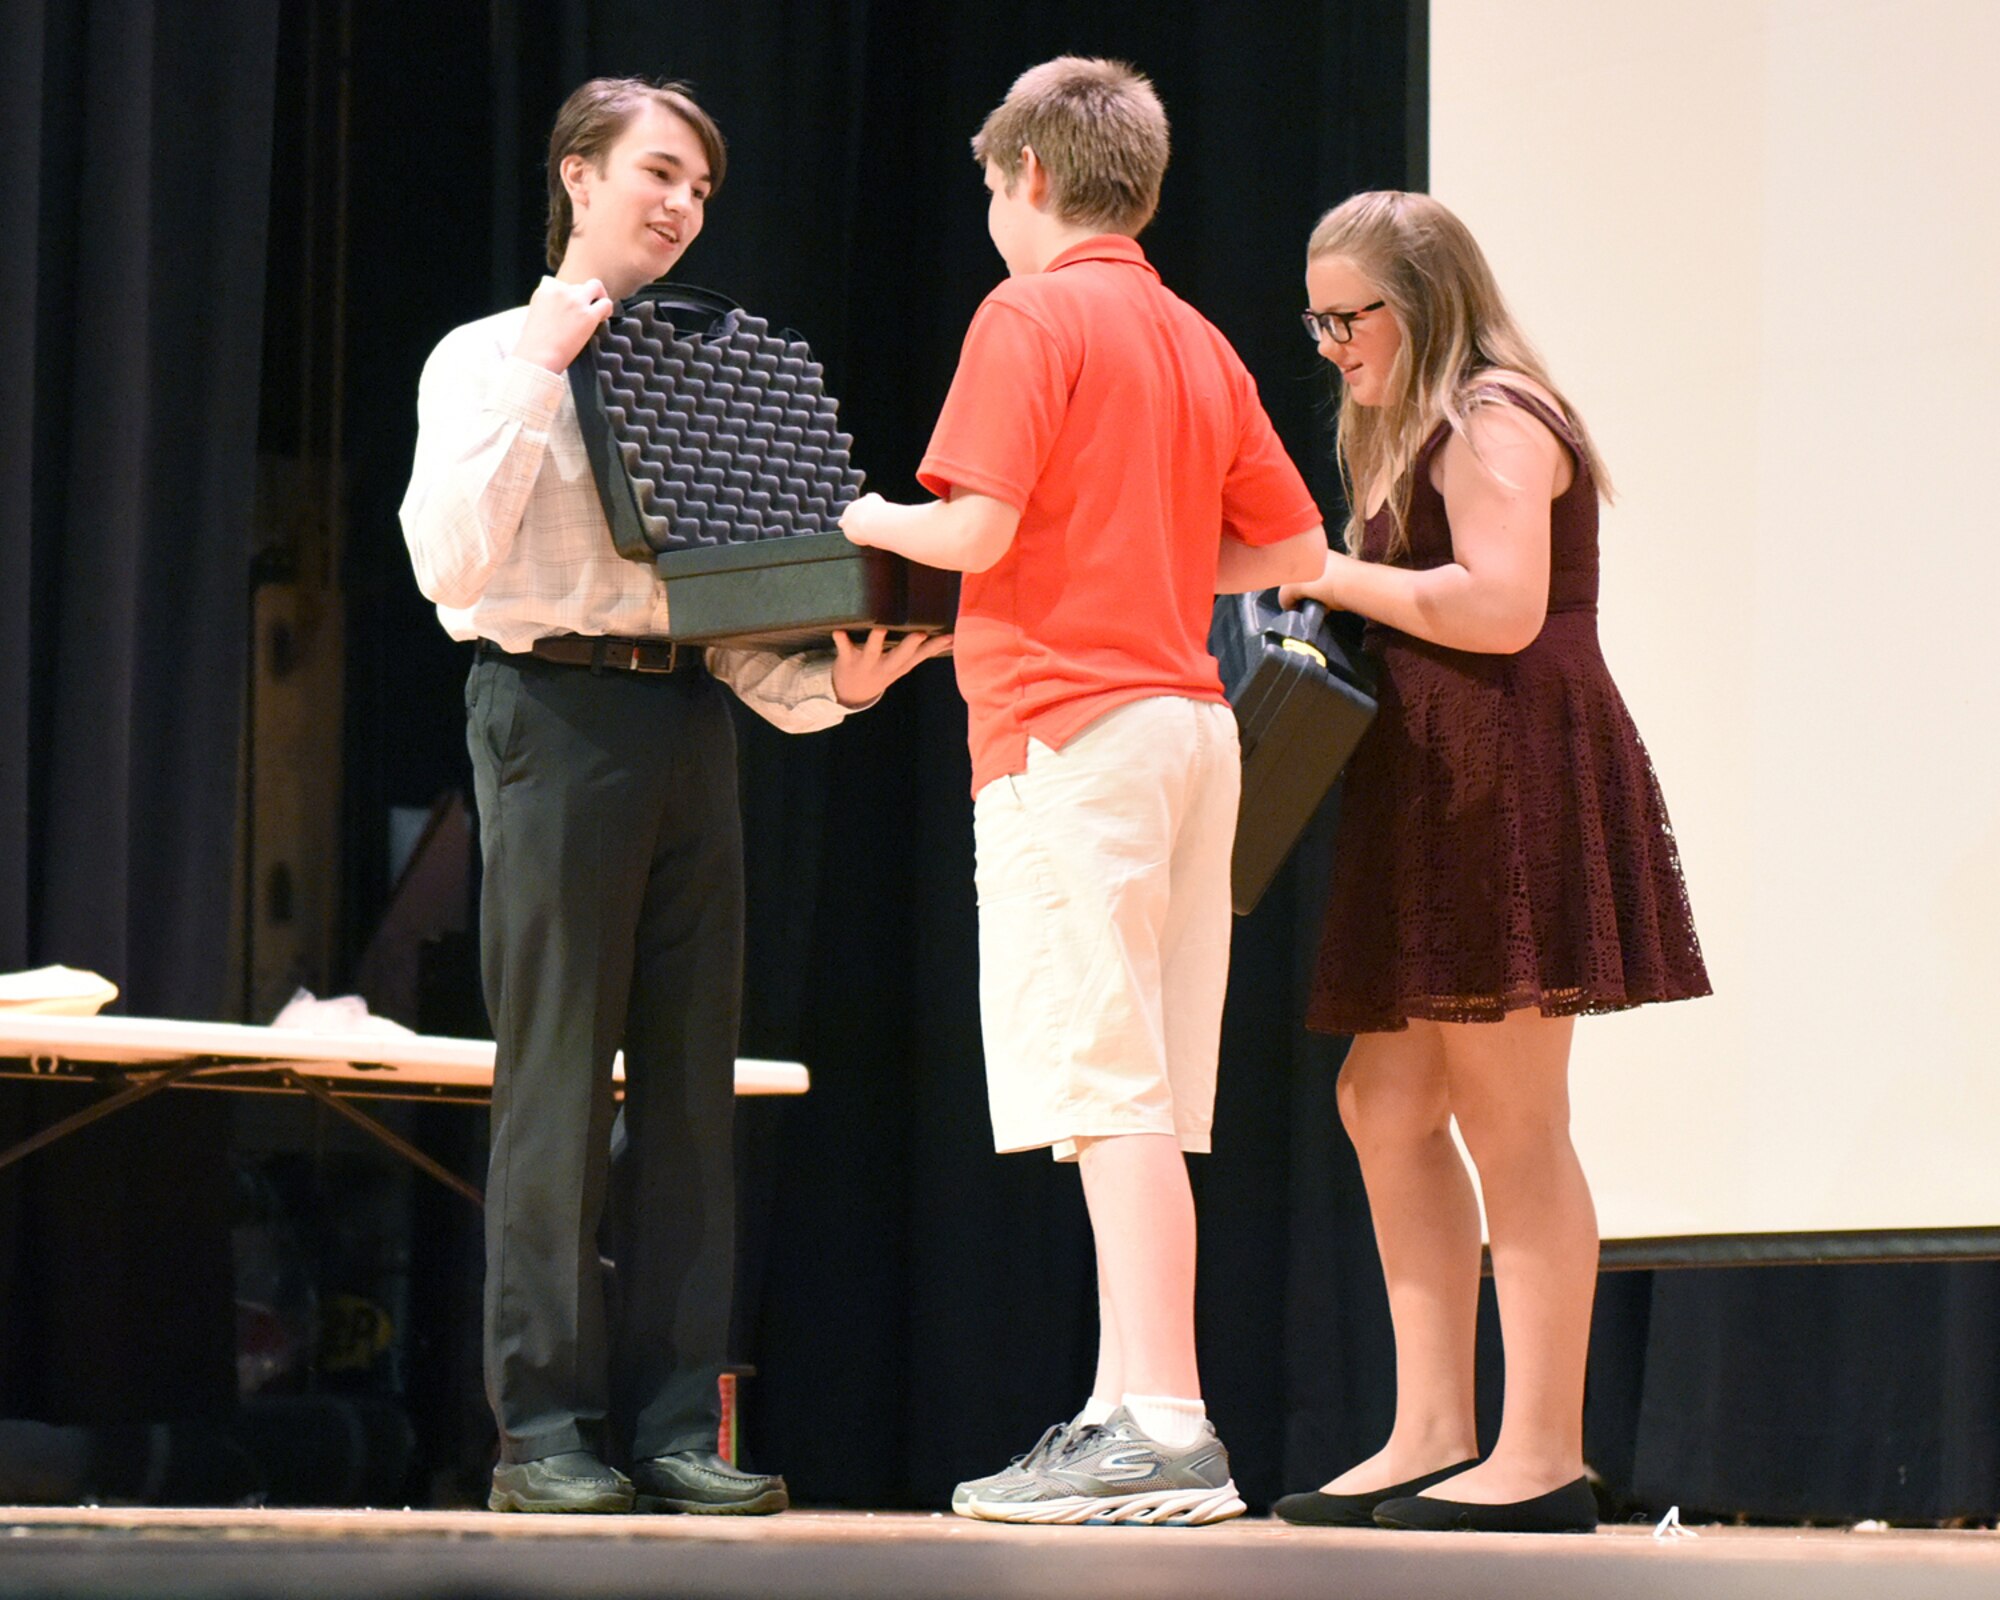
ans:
(718, 458)
(1303, 697)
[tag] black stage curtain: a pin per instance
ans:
(918, 1307)
(136, 163)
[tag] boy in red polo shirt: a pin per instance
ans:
(1104, 468)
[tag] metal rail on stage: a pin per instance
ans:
(1856, 1247)
(144, 1055)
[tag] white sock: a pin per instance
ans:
(1174, 1422)
(1095, 1411)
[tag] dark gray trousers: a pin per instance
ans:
(611, 915)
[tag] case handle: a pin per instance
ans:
(1297, 630)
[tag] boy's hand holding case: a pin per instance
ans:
(1302, 700)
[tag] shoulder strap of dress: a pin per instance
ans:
(1538, 408)
(1435, 442)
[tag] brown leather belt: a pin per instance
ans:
(614, 655)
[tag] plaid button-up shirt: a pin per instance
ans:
(508, 537)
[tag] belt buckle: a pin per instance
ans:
(641, 648)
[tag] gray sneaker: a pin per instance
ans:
(1115, 1473)
(1050, 1444)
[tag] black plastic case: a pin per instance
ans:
(1303, 697)
(718, 458)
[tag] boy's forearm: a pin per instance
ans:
(925, 533)
(966, 533)
(1241, 568)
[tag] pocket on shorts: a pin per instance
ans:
(1006, 867)
(1020, 988)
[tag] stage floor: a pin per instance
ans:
(805, 1555)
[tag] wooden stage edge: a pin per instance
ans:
(103, 1552)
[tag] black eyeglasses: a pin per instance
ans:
(1335, 325)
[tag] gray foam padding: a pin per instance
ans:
(726, 437)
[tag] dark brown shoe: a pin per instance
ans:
(700, 1481)
(573, 1481)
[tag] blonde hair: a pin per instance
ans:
(595, 117)
(1430, 272)
(1100, 133)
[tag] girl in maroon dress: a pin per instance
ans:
(1504, 864)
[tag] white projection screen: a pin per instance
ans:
(1759, 242)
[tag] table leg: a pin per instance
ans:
(130, 1095)
(395, 1141)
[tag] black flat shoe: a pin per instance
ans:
(1318, 1509)
(573, 1481)
(701, 1482)
(1570, 1509)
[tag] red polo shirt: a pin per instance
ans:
(1130, 436)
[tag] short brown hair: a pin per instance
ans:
(591, 122)
(1099, 131)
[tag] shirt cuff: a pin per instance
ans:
(816, 682)
(794, 693)
(1270, 533)
(941, 476)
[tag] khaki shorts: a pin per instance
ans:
(1104, 924)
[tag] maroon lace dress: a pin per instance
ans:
(1502, 842)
